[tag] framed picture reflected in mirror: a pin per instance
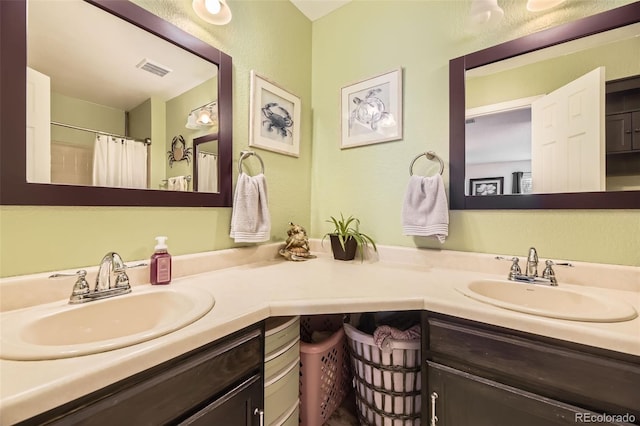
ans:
(486, 186)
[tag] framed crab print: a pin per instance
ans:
(274, 117)
(371, 110)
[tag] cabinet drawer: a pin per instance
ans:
(281, 394)
(588, 377)
(293, 416)
(280, 332)
(277, 365)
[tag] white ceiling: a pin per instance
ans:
(100, 65)
(315, 9)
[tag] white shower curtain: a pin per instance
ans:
(207, 172)
(119, 163)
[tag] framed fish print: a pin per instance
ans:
(371, 110)
(274, 116)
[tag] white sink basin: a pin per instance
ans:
(554, 302)
(61, 330)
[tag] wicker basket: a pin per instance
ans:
(325, 374)
(387, 383)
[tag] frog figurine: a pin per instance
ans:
(296, 246)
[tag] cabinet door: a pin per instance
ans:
(618, 131)
(240, 407)
(462, 399)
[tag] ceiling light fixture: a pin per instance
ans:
(215, 12)
(203, 117)
(540, 5)
(485, 12)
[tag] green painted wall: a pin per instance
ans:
(362, 39)
(65, 109)
(365, 38)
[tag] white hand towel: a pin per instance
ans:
(425, 211)
(177, 183)
(250, 219)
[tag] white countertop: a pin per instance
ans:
(408, 279)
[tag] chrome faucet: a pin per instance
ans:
(532, 263)
(112, 280)
(531, 270)
(111, 265)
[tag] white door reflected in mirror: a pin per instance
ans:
(567, 137)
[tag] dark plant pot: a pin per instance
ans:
(348, 253)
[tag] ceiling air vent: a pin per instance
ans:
(153, 67)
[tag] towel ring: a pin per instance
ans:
(430, 156)
(247, 154)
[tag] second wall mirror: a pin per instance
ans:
(532, 119)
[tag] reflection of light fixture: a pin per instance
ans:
(213, 11)
(485, 12)
(540, 5)
(203, 117)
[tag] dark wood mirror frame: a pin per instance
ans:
(14, 189)
(605, 21)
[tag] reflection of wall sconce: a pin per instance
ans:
(215, 12)
(203, 117)
(540, 5)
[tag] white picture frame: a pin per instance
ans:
(274, 116)
(371, 110)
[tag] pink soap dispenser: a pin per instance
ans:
(161, 263)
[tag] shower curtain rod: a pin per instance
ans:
(146, 141)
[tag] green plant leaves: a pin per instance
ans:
(350, 228)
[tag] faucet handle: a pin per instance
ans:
(515, 266)
(137, 265)
(554, 263)
(122, 280)
(81, 285)
(548, 272)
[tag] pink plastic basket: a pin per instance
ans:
(325, 374)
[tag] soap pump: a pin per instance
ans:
(160, 263)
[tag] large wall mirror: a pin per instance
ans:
(539, 122)
(116, 99)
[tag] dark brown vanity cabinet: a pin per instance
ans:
(217, 384)
(479, 374)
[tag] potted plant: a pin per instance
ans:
(346, 238)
